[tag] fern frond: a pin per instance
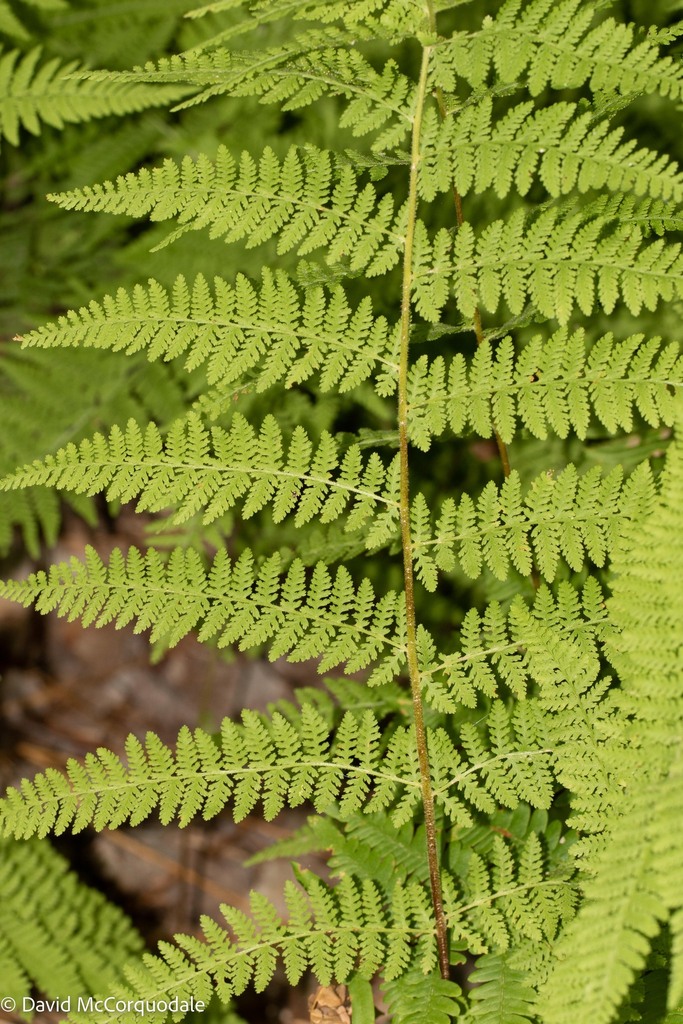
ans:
(552, 385)
(634, 879)
(56, 933)
(497, 650)
(275, 333)
(568, 517)
(378, 102)
(651, 216)
(32, 94)
(546, 43)
(272, 760)
(504, 765)
(414, 998)
(36, 392)
(371, 846)
(560, 262)
(310, 199)
(294, 75)
(210, 64)
(473, 151)
(277, 761)
(194, 469)
(365, 846)
(634, 884)
(235, 602)
(644, 648)
(574, 708)
(518, 711)
(501, 994)
(551, 650)
(509, 897)
(393, 19)
(332, 931)
(255, 16)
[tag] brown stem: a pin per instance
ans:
(406, 538)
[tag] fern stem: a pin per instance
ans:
(406, 538)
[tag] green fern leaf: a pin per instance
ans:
(32, 94)
(55, 932)
(495, 650)
(474, 151)
(500, 994)
(550, 386)
(622, 912)
(294, 75)
(278, 761)
(500, 900)
(414, 998)
(269, 759)
(272, 334)
(551, 43)
(633, 876)
(196, 469)
(234, 602)
(44, 383)
(10, 25)
(500, 770)
(310, 199)
(326, 932)
(394, 19)
(569, 516)
(563, 262)
(369, 846)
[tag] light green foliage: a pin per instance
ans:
(304, 615)
(635, 883)
(195, 468)
(296, 75)
(552, 386)
(328, 930)
(559, 144)
(54, 931)
(107, 389)
(413, 998)
(309, 199)
(32, 93)
(279, 761)
(566, 516)
(45, 263)
(270, 334)
(556, 44)
(501, 995)
(413, 306)
(560, 261)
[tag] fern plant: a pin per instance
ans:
(480, 257)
